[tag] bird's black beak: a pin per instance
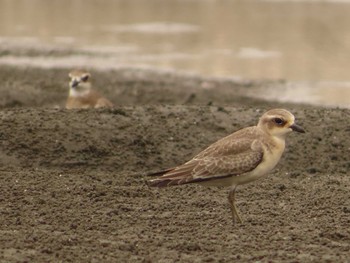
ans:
(297, 128)
(74, 83)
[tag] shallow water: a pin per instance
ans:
(300, 41)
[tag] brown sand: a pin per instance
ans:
(73, 185)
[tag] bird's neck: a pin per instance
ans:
(275, 141)
(73, 92)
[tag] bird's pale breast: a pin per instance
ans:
(272, 155)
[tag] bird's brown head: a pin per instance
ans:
(279, 122)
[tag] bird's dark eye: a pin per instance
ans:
(278, 121)
(85, 78)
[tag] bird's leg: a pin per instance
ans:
(231, 200)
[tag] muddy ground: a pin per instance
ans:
(73, 182)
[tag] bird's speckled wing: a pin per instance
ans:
(233, 155)
(103, 102)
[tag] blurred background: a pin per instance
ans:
(304, 42)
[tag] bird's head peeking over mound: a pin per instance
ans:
(79, 83)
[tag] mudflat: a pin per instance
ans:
(73, 182)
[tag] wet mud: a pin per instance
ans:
(73, 181)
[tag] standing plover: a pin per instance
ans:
(81, 95)
(242, 157)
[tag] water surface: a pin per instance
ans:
(300, 41)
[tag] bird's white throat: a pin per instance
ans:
(73, 92)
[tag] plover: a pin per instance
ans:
(244, 156)
(81, 94)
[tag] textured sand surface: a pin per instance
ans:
(73, 182)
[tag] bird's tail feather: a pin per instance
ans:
(159, 173)
(161, 182)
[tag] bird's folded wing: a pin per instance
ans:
(215, 162)
(103, 102)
